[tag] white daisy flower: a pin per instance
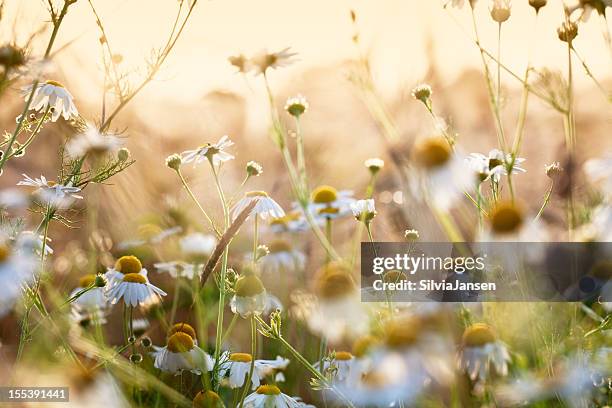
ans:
(53, 95)
(339, 310)
(374, 164)
(493, 166)
(364, 210)
(213, 152)
(270, 396)
(124, 265)
(179, 269)
(442, 174)
(296, 105)
(265, 208)
(263, 60)
(329, 203)
(600, 226)
(150, 234)
(250, 296)
(198, 245)
(13, 199)
(17, 267)
(91, 141)
(507, 221)
(50, 192)
(293, 221)
(238, 365)
(182, 354)
(282, 258)
(600, 171)
(481, 352)
(92, 300)
(135, 290)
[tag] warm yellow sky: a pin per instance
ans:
(395, 31)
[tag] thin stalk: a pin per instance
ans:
(197, 203)
(247, 384)
(546, 200)
(255, 238)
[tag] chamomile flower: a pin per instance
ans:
(339, 310)
(13, 199)
(282, 258)
(599, 171)
(91, 300)
(443, 175)
(270, 396)
(250, 296)
(17, 267)
(296, 105)
(364, 210)
(124, 265)
(266, 207)
(481, 352)
(374, 164)
(264, 60)
(198, 245)
(51, 193)
(207, 399)
(329, 203)
(179, 269)
(508, 221)
(493, 166)
(182, 354)
(92, 142)
(135, 289)
(214, 152)
(54, 96)
(238, 365)
(293, 221)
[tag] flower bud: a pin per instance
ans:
(500, 11)
(296, 106)
(567, 31)
(123, 154)
(174, 161)
(537, 4)
(254, 169)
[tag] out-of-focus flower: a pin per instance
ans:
(54, 96)
(292, 222)
(214, 152)
(567, 31)
(17, 267)
(13, 199)
(364, 210)
(374, 165)
(553, 170)
(51, 193)
(443, 175)
(264, 59)
(296, 105)
(329, 203)
(238, 366)
(140, 326)
(537, 4)
(150, 234)
(423, 92)
(250, 296)
(500, 10)
(600, 226)
(282, 258)
(494, 165)
(482, 350)
(459, 3)
(599, 171)
(241, 62)
(339, 310)
(507, 221)
(198, 245)
(11, 57)
(182, 354)
(411, 234)
(92, 142)
(265, 208)
(269, 396)
(124, 265)
(179, 269)
(207, 399)
(341, 366)
(93, 300)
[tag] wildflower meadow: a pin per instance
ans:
(184, 219)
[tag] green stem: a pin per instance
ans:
(247, 384)
(195, 200)
(546, 200)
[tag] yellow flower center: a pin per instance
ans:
(279, 245)
(54, 83)
(343, 355)
(506, 218)
(402, 332)
(478, 335)
(363, 345)
(207, 399)
(324, 195)
(334, 281)
(294, 216)
(241, 357)
(268, 389)
(87, 280)
(128, 264)
(431, 152)
(182, 328)
(394, 276)
(134, 278)
(329, 211)
(249, 285)
(148, 231)
(4, 252)
(256, 194)
(180, 342)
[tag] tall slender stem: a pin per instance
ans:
(247, 384)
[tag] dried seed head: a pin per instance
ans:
(478, 335)
(128, 264)
(567, 31)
